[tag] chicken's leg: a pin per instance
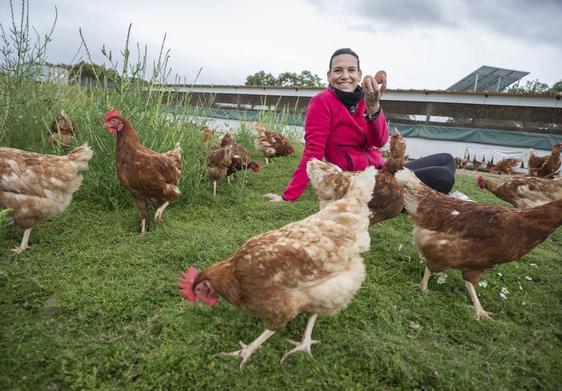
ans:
(23, 245)
(307, 341)
(425, 279)
(248, 350)
(266, 161)
(480, 312)
(215, 188)
(159, 211)
(142, 211)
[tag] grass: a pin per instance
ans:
(94, 305)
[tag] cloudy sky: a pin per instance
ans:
(424, 44)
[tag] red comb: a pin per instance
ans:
(256, 167)
(186, 284)
(480, 182)
(112, 113)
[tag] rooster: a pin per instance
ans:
(241, 158)
(271, 144)
(471, 237)
(62, 131)
(150, 176)
(312, 266)
(524, 192)
(505, 166)
(546, 166)
(37, 186)
(388, 196)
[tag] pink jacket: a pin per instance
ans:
(347, 140)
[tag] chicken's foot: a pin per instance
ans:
(307, 341)
(425, 279)
(23, 245)
(480, 312)
(248, 350)
(159, 211)
(143, 226)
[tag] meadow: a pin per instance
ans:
(94, 305)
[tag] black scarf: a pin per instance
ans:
(349, 99)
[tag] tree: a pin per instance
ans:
(556, 87)
(531, 86)
(285, 79)
(261, 79)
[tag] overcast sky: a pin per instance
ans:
(424, 44)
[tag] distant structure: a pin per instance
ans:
(487, 78)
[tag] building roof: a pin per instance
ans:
(487, 78)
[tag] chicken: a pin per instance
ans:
(62, 131)
(388, 196)
(472, 237)
(476, 164)
(241, 158)
(150, 176)
(37, 186)
(505, 166)
(271, 144)
(461, 162)
(208, 143)
(524, 192)
(218, 164)
(547, 166)
(312, 266)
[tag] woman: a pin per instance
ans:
(346, 124)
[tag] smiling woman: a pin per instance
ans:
(346, 125)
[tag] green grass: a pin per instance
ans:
(94, 305)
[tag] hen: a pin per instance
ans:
(524, 192)
(312, 266)
(505, 166)
(476, 164)
(471, 237)
(218, 164)
(150, 176)
(461, 162)
(241, 158)
(388, 196)
(37, 186)
(271, 144)
(62, 131)
(546, 166)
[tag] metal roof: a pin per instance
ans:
(487, 78)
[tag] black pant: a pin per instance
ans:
(436, 171)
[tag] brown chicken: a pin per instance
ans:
(271, 144)
(218, 164)
(312, 266)
(461, 162)
(472, 237)
(241, 158)
(388, 196)
(505, 166)
(524, 192)
(476, 164)
(546, 166)
(36, 186)
(62, 131)
(150, 176)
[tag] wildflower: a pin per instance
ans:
(400, 247)
(483, 284)
(528, 278)
(500, 274)
(520, 286)
(441, 277)
(503, 293)
(534, 264)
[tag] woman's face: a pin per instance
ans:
(344, 74)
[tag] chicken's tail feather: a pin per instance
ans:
(81, 156)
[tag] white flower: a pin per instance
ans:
(441, 277)
(520, 286)
(400, 247)
(483, 283)
(534, 264)
(503, 293)
(528, 278)
(500, 274)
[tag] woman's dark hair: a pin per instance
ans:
(344, 51)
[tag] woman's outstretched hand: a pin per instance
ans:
(374, 87)
(274, 197)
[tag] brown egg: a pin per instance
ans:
(380, 78)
